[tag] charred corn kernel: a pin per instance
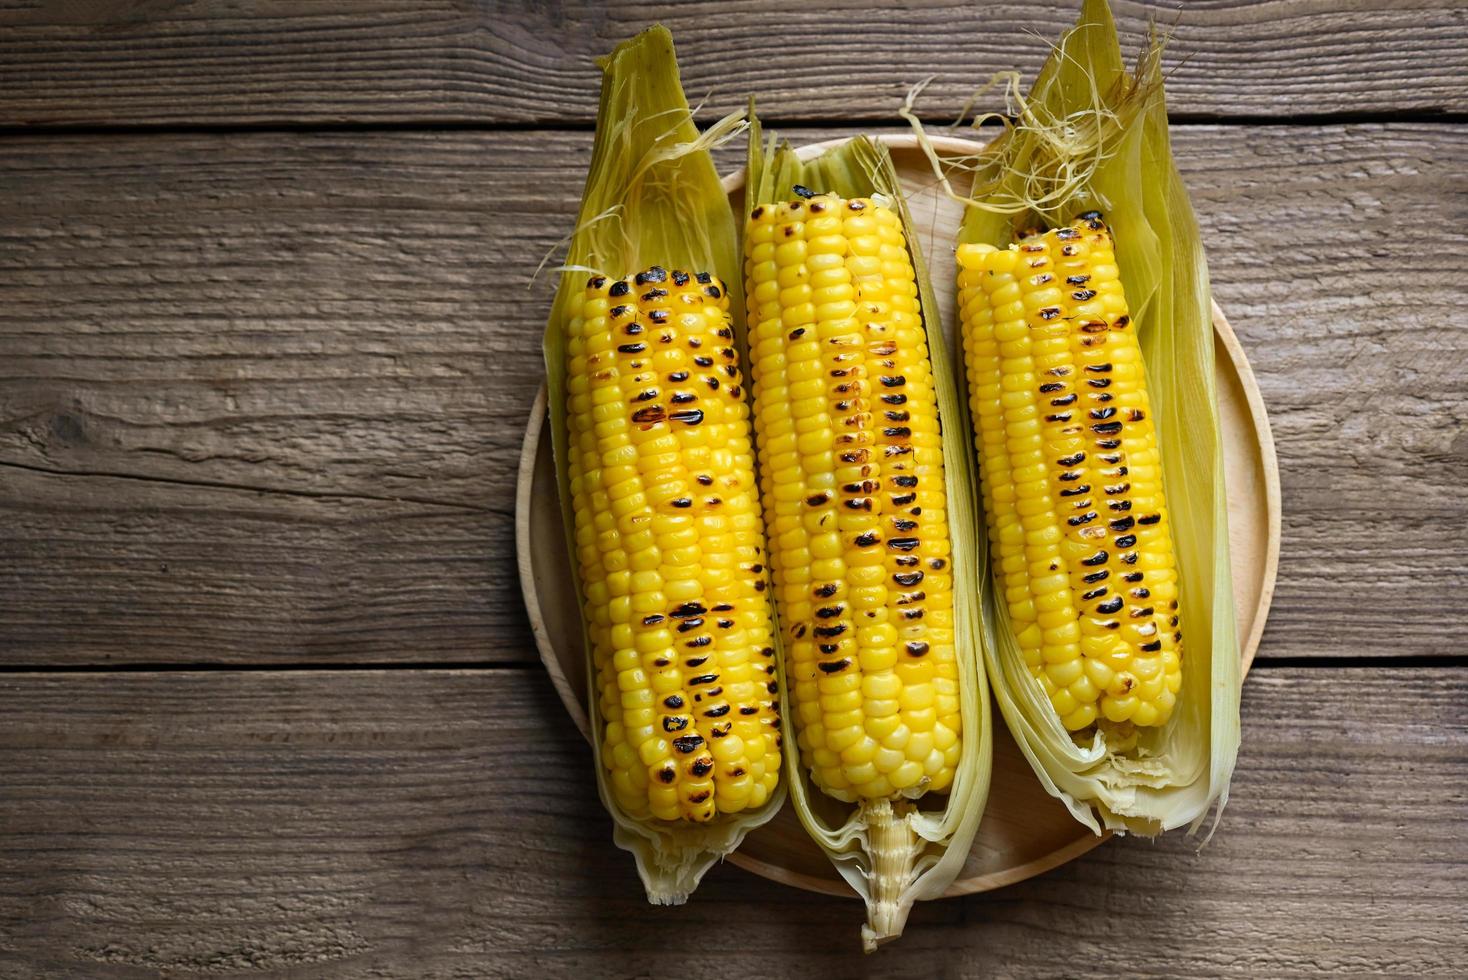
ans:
(855, 501)
(670, 547)
(1059, 401)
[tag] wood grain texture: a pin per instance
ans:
(288, 367)
(122, 62)
(440, 824)
(1333, 256)
(262, 395)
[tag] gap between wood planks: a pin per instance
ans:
(1435, 662)
(588, 125)
(507, 512)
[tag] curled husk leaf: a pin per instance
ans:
(896, 853)
(652, 197)
(1091, 135)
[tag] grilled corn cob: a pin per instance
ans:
(669, 546)
(852, 475)
(1072, 485)
(876, 594)
(1092, 683)
(655, 467)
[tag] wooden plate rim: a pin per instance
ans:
(966, 886)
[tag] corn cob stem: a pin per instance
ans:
(893, 847)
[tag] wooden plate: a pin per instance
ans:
(1025, 831)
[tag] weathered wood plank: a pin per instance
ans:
(443, 824)
(298, 382)
(451, 61)
(105, 569)
(261, 396)
(1333, 256)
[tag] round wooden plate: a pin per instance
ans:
(1025, 831)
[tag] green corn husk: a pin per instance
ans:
(891, 859)
(652, 197)
(1091, 135)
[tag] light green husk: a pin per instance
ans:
(1092, 135)
(652, 197)
(893, 854)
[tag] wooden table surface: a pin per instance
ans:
(269, 705)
